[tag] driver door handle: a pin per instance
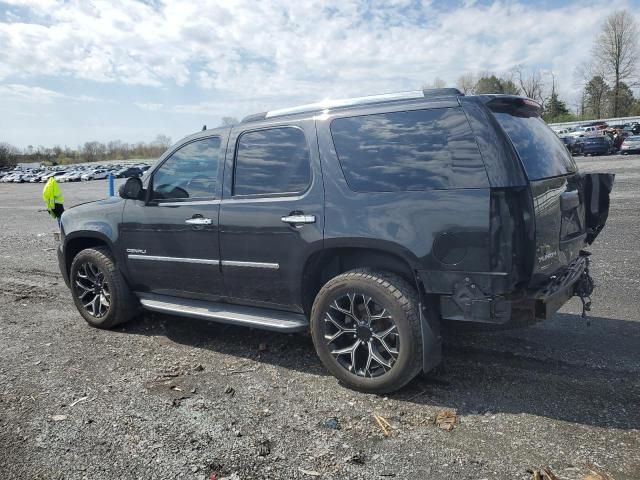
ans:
(199, 221)
(299, 219)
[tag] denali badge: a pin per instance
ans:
(136, 250)
(546, 253)
(547, 256)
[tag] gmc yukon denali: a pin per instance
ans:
(367, 221)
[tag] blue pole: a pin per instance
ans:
(110, 181)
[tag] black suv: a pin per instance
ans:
(368, 221)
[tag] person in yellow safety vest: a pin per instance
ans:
(53, 198)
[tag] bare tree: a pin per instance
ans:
(437, 83)
(162, 141)
(93, 151)
(229, 121)
(531, 82)
(8, 154)
(616, 49)
(466, 83)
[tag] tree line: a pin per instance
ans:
(89, 152)
(606, 80)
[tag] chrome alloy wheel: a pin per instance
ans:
(361, 335)
(92, 290)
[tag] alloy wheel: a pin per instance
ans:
(92, 290)
(361, 335)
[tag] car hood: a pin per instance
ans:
(95, 205)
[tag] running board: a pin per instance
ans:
(262, 318)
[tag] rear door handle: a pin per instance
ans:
(299, 219)
(199, 221)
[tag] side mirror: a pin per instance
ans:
(131, 189)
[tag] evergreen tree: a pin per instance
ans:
(624, 102)
(597, 94)
(555, 108)
(493, 84)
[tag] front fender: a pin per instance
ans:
(98, 219)
(88, 225)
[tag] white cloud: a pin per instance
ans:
(28, 94)
(246, 56)
(282, 48)
(38, 95)
(153, 107)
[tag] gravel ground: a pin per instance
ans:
(165, 397)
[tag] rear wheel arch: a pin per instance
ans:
(326, 264)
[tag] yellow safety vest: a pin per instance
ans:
(51, 194)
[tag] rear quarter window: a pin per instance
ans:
(404, 151)
(542, 153)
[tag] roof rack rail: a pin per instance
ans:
(354, 101)
(254, 117)
(441, 92)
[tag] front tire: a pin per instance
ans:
(99, 290)
(366, 330)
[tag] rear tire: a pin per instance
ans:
(99, 290)
(387, 306)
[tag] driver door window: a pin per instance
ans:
(191, 173)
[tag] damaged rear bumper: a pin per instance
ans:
(468, 303)
(548, 299)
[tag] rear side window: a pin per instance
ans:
(541, 151)
(402, 151)
(273, 161)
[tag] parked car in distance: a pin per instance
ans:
(128, 172)
(9, 177)
(59, 174)
(47, 175)
(600, 145)
(633, 129)
(73, 173)
(64, 178)
(74, 176)
(588, 131)
(573, 144)
(27, 177)
(366, 221)
(564, 131)
(598, 124)
(630, 145)
(94, 175)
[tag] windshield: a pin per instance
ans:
(541, 151)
